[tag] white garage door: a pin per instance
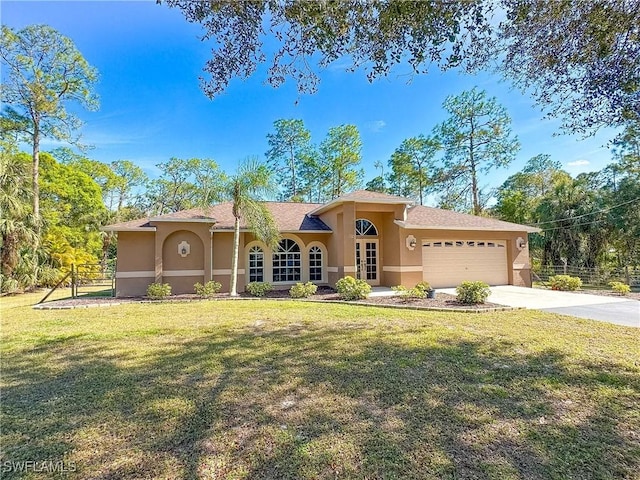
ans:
(446, 263)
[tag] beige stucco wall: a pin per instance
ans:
(135, 266)
(182, 272)
(145, 257)
(519, 273)
(341, 245)
(334, 220)
(222, 259)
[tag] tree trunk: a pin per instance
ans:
(8, 255)
(233, 290)
(474, 179)
(294, 189)
(36, 176)
(420, 181)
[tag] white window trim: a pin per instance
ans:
(301, 246)
(365, 236)
(307, 266)
(266, 264)
(304, 253)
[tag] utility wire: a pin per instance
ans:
(587, 214)
(571, 226)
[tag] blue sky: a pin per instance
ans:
(151, 106)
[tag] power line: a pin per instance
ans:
(587, 214)
(571, 226)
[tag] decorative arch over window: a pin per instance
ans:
(256, 264)
(365, 228)
(287, 262)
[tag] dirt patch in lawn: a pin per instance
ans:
(441, 301)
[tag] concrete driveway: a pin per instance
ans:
(620, 311)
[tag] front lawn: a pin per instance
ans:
(282, 389)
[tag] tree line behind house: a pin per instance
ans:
(590, 221)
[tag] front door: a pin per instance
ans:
(367, 261)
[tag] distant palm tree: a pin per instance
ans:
(252, 182)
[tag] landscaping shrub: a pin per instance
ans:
(207, 290)
(157, 291)
(565, 283)
(49, 276)
(9, 285)
(620, 288)
(414, 293)
(302, 290)
(351, 289)
(424, 286)
(472, 292)
(259, 289)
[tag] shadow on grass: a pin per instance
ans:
(300, 402)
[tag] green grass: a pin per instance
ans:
(295, 390)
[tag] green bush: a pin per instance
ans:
(351, 289)
(207, 290)
(620, 288)
(424, 286)
(472, 292)
(302, 290)
(414, 293)
(9, 285)
(48, 276)
(259, 289)
(157, 291)
(565, 283)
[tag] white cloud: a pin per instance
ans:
(578, 163)
(377, 125)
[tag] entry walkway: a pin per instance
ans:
(382, 292)
(618, 310)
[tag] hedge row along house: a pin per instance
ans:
(383, 239)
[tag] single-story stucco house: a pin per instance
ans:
(383, 239)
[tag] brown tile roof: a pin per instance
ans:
(197, 214)
(289, 217)
(138, 224)
(372, 196)
(436, 218)
(295, 216)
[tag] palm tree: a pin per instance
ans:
(16, 221)
(252, 182)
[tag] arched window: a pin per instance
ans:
(365, 228)
(256, 264)
(315, 264)
(287, 262)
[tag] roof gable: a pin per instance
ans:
(363, 196)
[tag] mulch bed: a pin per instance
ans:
(442, 301)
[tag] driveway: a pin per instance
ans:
(620, 311)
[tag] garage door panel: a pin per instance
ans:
(447, 263)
